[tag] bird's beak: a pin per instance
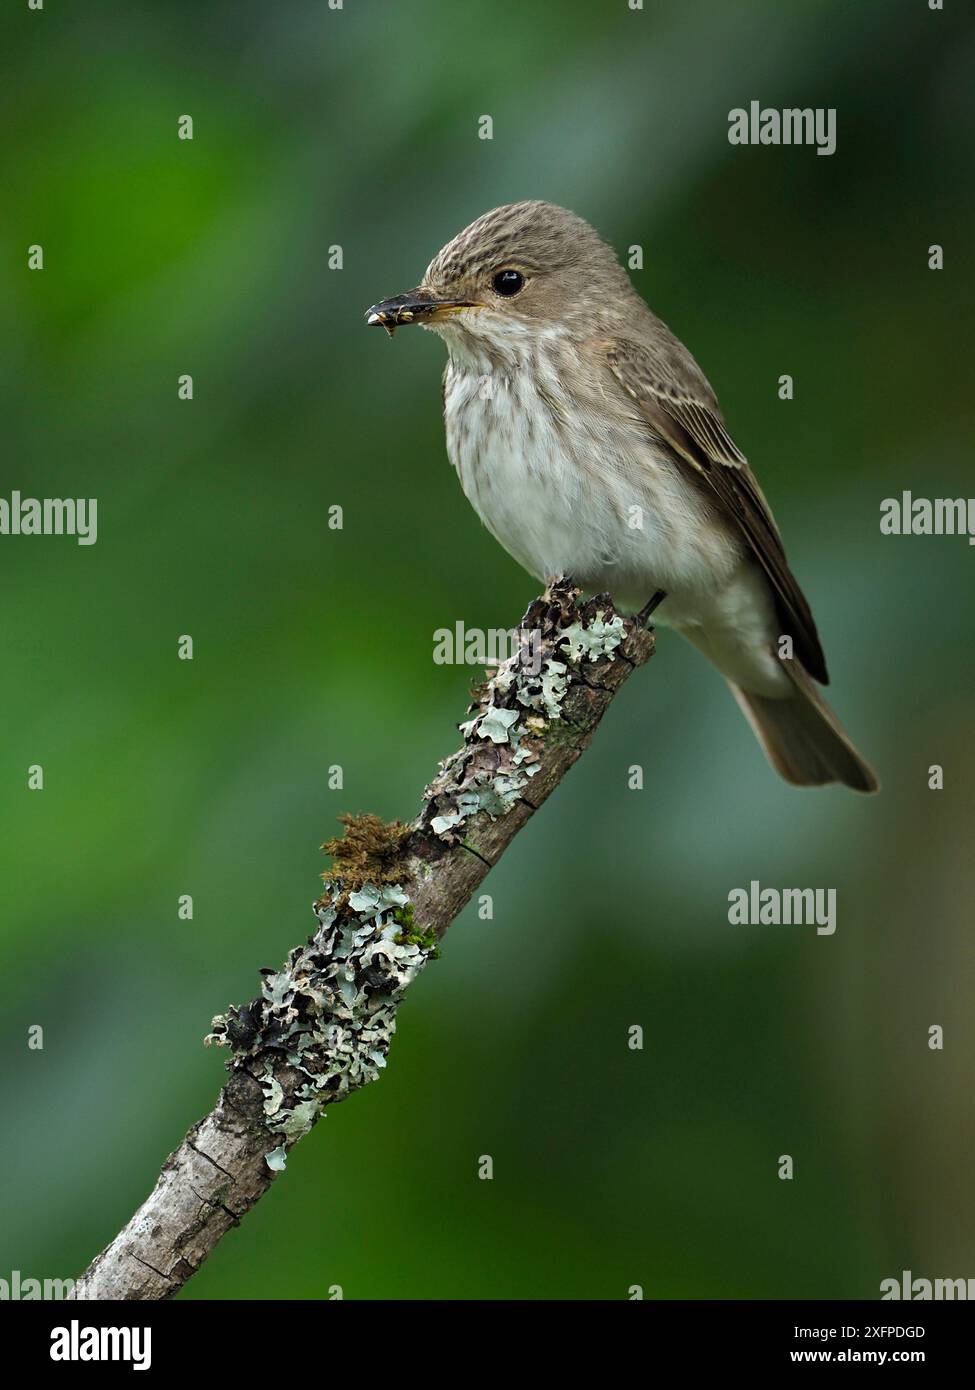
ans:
(416, 306)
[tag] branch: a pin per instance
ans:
(323, 1024)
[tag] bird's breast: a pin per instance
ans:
(509, 436)
(568, 483)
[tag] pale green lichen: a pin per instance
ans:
(519, 703)
(496, 795)
(294, 1123)
(496, 724)
(373, 901)
(599, 639)
(550, 691)
(520, 712)
(331, 1011)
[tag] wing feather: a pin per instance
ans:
(676, 401)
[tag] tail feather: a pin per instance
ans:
(802, 737)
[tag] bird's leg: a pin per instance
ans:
(648, 608)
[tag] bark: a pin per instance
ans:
(321, 1027)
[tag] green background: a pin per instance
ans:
(358, 127)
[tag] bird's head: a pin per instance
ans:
(516, 272)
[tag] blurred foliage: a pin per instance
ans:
(358, 127)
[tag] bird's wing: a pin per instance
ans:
(674, 398)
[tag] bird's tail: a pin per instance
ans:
(802, 737)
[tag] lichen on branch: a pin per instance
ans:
(322, 1024)
(330, 1013)
(328, 1016)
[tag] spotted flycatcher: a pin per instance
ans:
(592, 446)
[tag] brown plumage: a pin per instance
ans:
(591, 444)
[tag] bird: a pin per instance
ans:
(592, 446)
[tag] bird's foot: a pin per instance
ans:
(644, 614)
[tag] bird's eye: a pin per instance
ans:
(508, 282)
